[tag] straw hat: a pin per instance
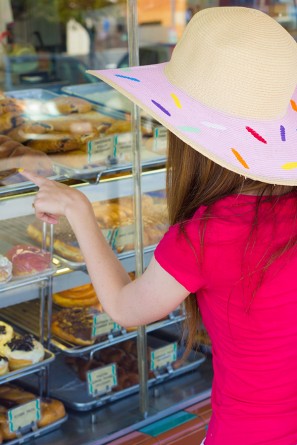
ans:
(229, 91)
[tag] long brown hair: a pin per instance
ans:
(193, 181)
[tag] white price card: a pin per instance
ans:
(103, 324)
(160, 139)
(99, 149)
(102, 380)
(123, 238)
(164, 356)
(24, 415)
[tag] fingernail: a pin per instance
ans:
(20, 170)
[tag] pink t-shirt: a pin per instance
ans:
(251, 318)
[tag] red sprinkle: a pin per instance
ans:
(256, 135)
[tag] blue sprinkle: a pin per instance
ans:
(127, 77)
(283, 133)
(161, 108)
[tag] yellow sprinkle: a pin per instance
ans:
(289, 165)
(20, 170)
(176, 100)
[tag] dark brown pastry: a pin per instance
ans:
(75, 325)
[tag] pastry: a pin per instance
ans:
(10, 120)
(14, 155)
(23, 351)
(3, 365)
(51, 411)
(54, 142)
(29, 130)
(65, 243)
(67, 105)
(5, 269)
(28, 260)
(9, 105)
(75, 325)
(76, 297)
(11, 395)
(6, 333)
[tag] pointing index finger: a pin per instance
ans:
(36, 179)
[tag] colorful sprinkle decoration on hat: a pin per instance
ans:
(239, 158)
(293, 105)
(160, 107)
(289, 165)
(282, 133)
(176, 100)
(256, 135)
(134, 79)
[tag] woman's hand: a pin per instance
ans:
(55, 199)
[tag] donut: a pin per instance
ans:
(51, 411)
(5, 269)
(3, 365)
(6, 333)
(23, 351)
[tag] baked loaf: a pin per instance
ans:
(74, 325)
(65, 243)
(5, 269)
(80, 296)
(14, 155)
(28, 260)
(67, 105)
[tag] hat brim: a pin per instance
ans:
(261, 150)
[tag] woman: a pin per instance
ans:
(228, 98)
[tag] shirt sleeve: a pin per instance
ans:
(179, 255)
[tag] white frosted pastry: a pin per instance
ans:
(5, 269)
(23, 351)
(6, 333)
(3, 365)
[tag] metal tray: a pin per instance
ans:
(49, 357)
(38, 432)
(32, 93)
(66, 386)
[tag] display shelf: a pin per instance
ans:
(117, 187)
(110, 422)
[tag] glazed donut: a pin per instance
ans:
(51, 411)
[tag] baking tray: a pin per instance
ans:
(65, 385)
(38, 432)
(49, 357)
(32, 93)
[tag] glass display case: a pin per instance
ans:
(65, 124)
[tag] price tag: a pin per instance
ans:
(123, 238)
(122, 146)
(103, 324)
(24, 415)
(102, 380)
(100, 149)
(162, 357)
(160, 140)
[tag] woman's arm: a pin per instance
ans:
(149, 298)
